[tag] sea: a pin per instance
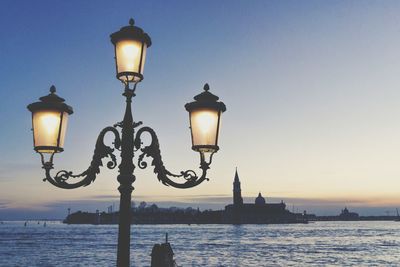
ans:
(372, 243)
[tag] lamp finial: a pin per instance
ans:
(206, 87)
(131, 21)
(52, 89)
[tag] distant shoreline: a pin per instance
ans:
(373, 219)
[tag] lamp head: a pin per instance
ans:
(205, 115)
(49, 122)
(130, 44)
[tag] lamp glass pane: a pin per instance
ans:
(46, 128)
(128, 54)
(63, 129)
(204, 124)
(144, 58)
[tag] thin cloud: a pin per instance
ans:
(4, 205)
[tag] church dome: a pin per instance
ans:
(260, 200)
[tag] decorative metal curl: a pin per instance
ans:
(153, 151)
(101, 151)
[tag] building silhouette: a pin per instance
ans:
(259, 212)
(237, 191)
(347, 215)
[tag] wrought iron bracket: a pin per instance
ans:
(190, 177)
(152, 150)
(89, 175)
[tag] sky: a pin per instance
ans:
(311, 89)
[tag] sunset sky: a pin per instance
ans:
(312, 90)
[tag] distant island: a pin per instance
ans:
(259, 212)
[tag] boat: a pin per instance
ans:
(398, 216)
(162, 255)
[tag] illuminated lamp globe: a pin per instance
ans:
(49, 122)
(130, 44)
(205, 119)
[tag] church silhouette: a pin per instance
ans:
(259, 212)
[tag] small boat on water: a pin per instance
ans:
(162, 255)
(398, 216)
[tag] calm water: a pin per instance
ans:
(314, 244)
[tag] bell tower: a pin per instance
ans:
(237, 192)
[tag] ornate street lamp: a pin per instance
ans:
(49, 120)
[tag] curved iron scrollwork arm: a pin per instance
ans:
(153, 150)
(101, 151)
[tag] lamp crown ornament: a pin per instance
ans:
(54, 99)
(206, 99)
(131, 32)
(51, 102)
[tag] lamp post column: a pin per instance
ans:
(126, 178)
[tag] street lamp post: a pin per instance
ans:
(49, 123)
